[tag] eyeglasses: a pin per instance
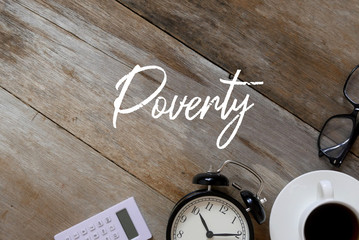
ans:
(339, 132)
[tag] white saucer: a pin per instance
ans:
(302, 191)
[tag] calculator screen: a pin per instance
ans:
(127, 224)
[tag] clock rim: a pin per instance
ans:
(202, 193)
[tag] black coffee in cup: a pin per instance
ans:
(331, 221)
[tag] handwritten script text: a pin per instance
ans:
(193, 108)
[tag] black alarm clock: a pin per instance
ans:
(211, 214)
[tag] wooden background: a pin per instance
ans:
(61, 159)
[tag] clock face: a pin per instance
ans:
(209, 215)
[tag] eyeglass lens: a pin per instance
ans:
(335, 136)
(352, 87)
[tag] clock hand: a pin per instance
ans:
(204, 223)
(209, 234)
(226, 234)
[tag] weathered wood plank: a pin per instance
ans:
(303, 51)
(50, 180)
(80, 81)
(73, 53)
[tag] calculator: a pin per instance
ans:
(122, 221)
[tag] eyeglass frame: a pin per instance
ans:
(337, 161)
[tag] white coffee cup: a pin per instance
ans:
(329, 218)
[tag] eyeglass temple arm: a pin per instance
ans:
(260, 179)
(328, 149)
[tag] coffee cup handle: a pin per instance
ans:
(325, 190)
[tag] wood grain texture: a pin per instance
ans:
(303, 51)
(51, 180)
(63, 58)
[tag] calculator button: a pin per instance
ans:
(108, 220)
(92, 227)
(87, 238)
(103, 231)
(112, 228)
(99, 223)
(96, 236)
(115, 236)
(76, 235)
(108, 238)
(84, 232)
(67, 238)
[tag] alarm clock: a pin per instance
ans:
(212, 214)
